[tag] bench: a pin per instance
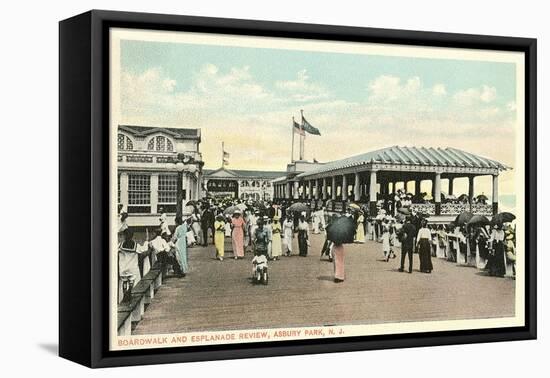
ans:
(142, 294)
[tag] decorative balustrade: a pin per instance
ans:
(423, 208)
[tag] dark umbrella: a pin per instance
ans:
(341, 230)
(404, 211)
(298, 207)
(192, 203)
(478, 220)
(504, 217)
(463, 218)
(482, 197)
(231, 209)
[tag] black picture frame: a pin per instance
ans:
(84, 196)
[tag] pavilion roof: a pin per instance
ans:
(420, 156)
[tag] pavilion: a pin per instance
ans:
(368, 176)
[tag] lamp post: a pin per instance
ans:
(179, 189)
(184, 164)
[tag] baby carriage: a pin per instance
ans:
(259, 269)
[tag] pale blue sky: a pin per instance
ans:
(247, 97)
(345, 74)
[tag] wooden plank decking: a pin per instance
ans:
(218, 295)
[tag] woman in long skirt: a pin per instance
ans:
(288, 233)
(303, 235)
(424, 245)
(180, 241)
(237, 223)
(196, 226)
(276, 247)
(360, 233)
(496, 263)
(338, 251)
(386, 247)
(219, 236)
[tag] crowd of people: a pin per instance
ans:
(267, 229)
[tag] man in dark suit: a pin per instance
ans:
(406, 236)
(207, 222)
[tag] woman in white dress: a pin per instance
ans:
(315, 222)
(288, 234)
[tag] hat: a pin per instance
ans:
(237, 211)
(303, 213)
(276, 218)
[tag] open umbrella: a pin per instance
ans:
(404, 210)
(298, 207)
(463, 218)
(478, 220)
(241, 206)
(354, 206)
(482, 197)
(503, 217)
(341, 230)
(231, 209)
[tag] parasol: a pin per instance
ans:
(504, 217)
(404, 211)
(482, 197)
(463, 218)
(231, 210)
(354, 206)
(298, 207)
(478, 220)
(341, 230)
(240, 206)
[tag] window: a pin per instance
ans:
(160, 143)
(139, 194)
(167, 193)
(124, 142)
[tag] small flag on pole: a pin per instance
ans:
(225, 154)
(225, 162)
(298, 129)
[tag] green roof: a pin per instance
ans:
(420, 156)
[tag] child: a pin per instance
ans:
(259, 267)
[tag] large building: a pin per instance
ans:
(238, 183)
(367, 177)
(148, 173)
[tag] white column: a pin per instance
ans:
(296, 189)
(333, 188)
(287, 191)
(372, 187)
(154, 192)
(124, 190)
(325, 196)
(437, 191)
(310, 189)
(495, 194)
(344, 188)
(317, 196)
(357, 187)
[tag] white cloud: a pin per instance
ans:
(439, 90)
(472, 96)
(302, 89)
(387, 88)
(228, 104)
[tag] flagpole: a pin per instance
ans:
(302, 136)
(292, 150)
(223, 149)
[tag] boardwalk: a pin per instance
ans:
(218, 295)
